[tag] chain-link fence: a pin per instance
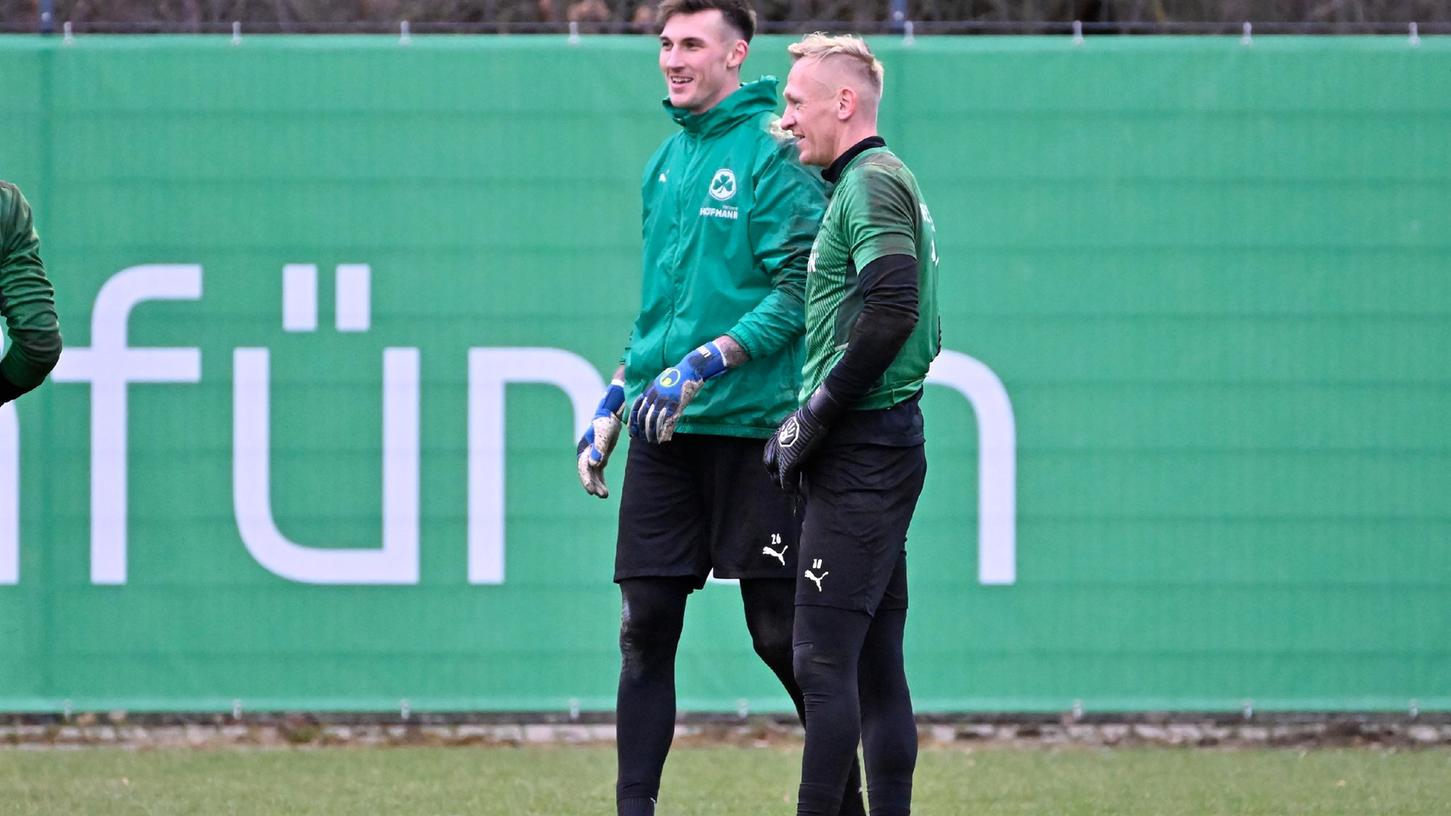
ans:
(789, 16)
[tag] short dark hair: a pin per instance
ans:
(737, 13)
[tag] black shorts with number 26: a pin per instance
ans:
(701, 502)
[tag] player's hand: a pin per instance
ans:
(798, 437)
(599, 440)
(656, 411)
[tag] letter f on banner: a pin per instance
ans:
(109, 365)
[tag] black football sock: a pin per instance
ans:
(652, 613)
(889, 731)
(827, 644)
(639, 806)
(770, 605)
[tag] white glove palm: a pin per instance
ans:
(598, 441)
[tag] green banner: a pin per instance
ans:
(336, 309)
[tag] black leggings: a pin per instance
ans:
(652, 614)
(850, 667)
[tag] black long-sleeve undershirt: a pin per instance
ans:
(889, 314)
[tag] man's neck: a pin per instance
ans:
(853, 134)
(832, 172)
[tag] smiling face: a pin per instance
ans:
(813, 113)
(700, 56)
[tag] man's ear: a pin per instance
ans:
(738, 54)
(846, 102)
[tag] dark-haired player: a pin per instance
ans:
(713, 364)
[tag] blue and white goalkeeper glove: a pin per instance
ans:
(656, 411)
(599, 440)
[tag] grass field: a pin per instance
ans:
(720, 781)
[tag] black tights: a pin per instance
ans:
(652, 614)
(850, 668)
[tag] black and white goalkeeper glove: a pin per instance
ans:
(798, 437)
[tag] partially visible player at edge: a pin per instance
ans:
(715, 359)
(27, 300)
(855, 446)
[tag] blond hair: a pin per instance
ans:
(821, 46)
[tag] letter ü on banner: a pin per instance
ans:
(396, 562)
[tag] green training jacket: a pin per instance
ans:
(27, 299)
(729, 217)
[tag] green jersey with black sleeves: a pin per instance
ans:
(876, 210)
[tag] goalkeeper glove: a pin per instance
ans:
(656, 411)
(599, 440)
(798, 437)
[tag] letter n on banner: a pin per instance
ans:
(997, 446)
(490, 369)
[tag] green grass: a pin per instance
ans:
(721, 781)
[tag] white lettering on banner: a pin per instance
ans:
(397, 561)
(9, 495)
(354, 302)
(299, 297)
(997, 462)
(109, 365)
(490, 369)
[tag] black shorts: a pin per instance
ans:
(859, 503)
(701, 502)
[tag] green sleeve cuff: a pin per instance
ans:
(746, 339)
(32, 356)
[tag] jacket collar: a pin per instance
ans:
(746, 101)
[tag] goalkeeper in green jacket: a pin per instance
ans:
(712, 368)
(27, 300)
